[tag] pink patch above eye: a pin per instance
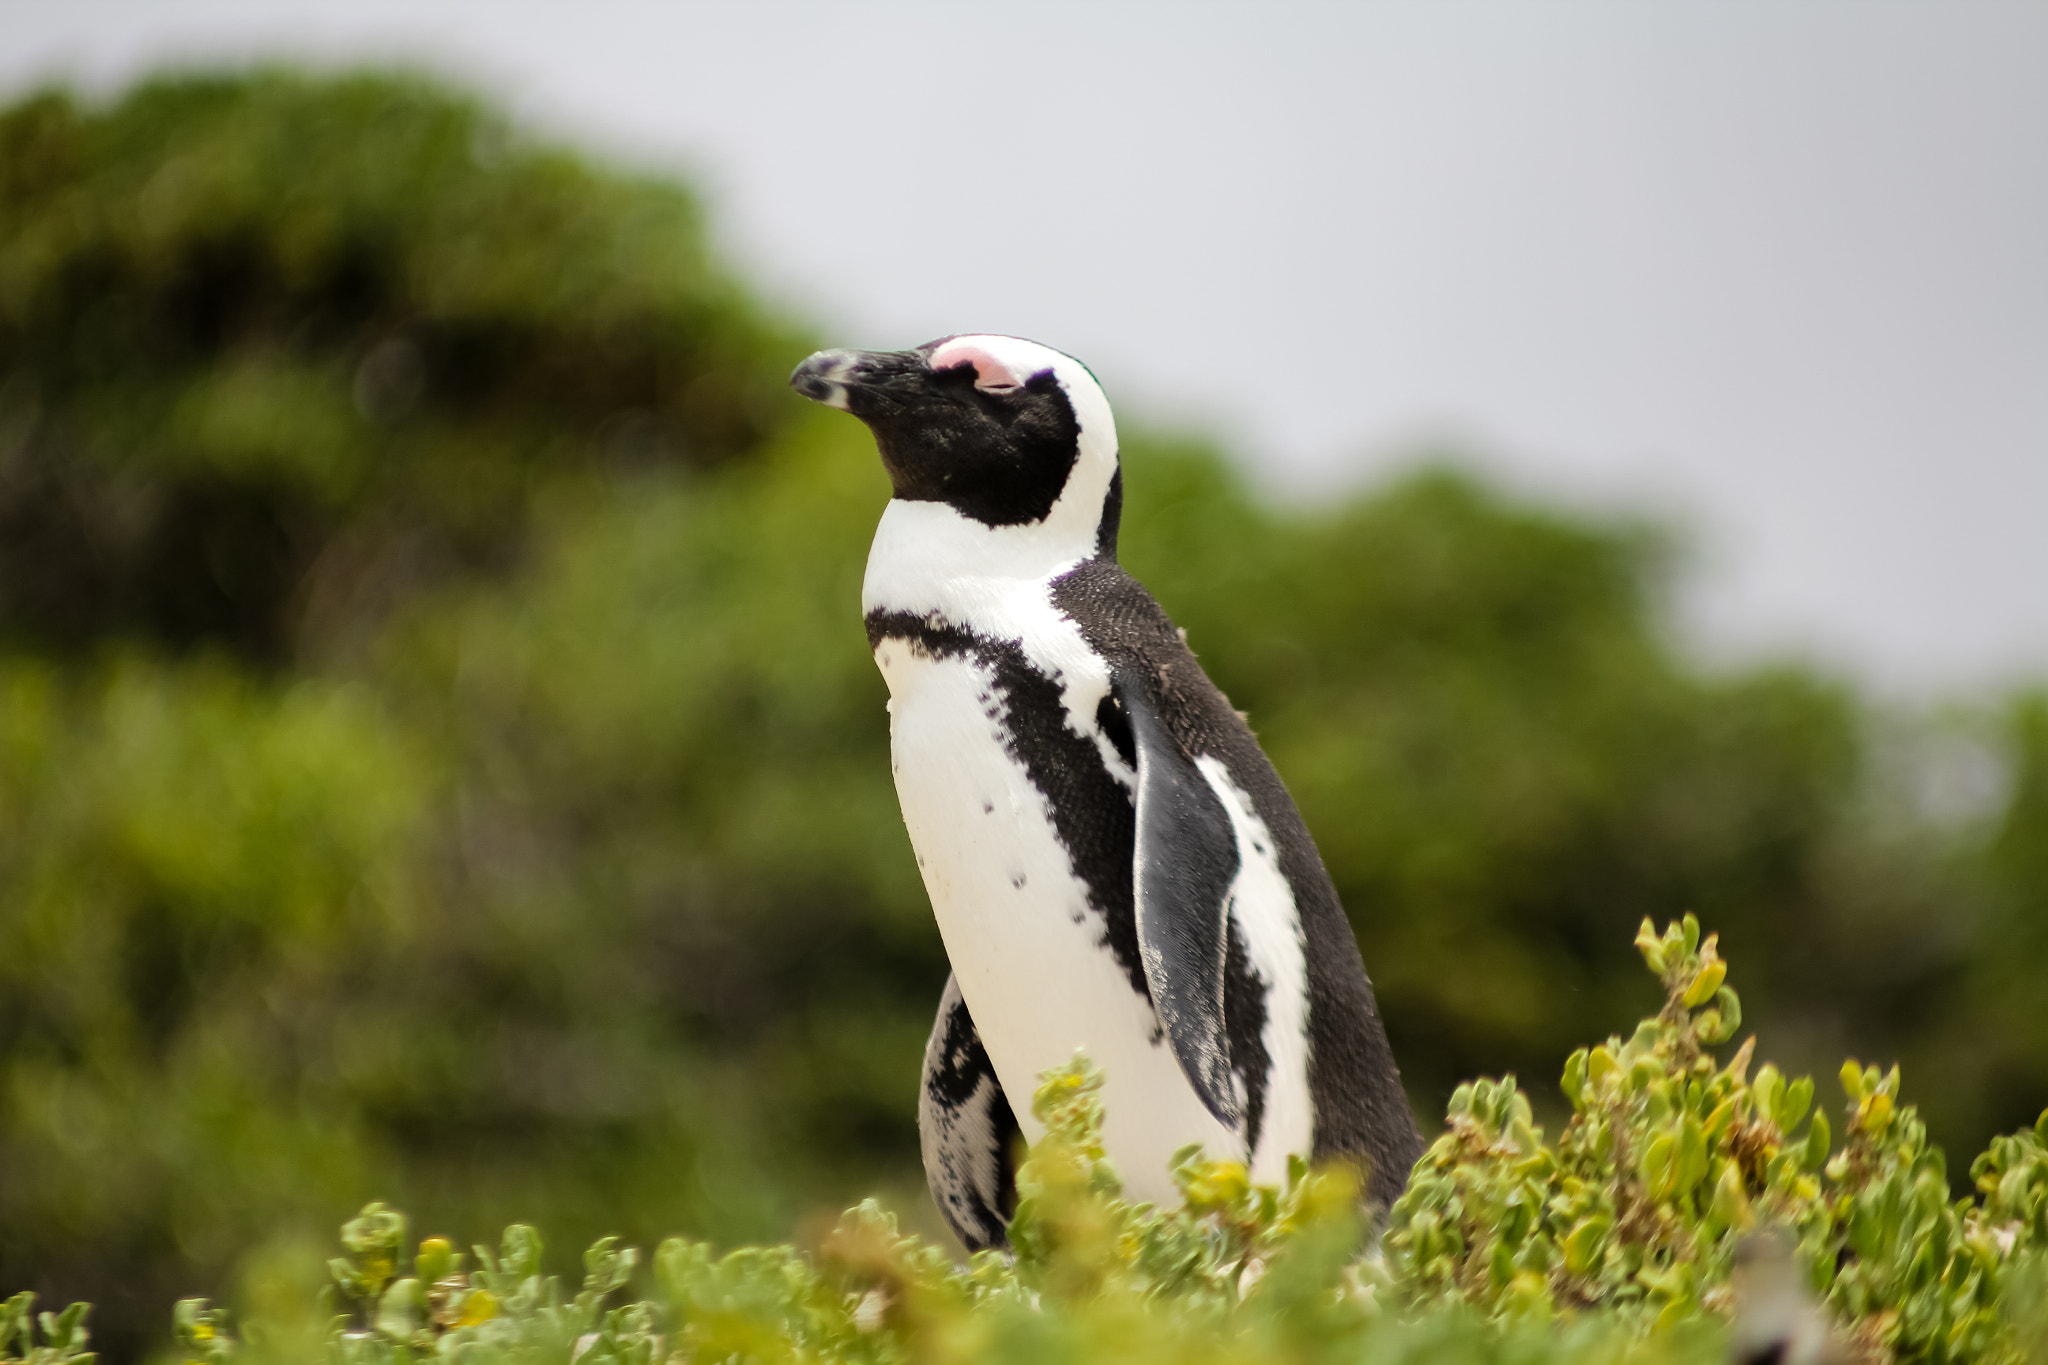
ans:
(989, 372)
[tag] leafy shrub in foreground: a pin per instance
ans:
(1619, 1242)
(1669, 1159)
(1237, 1273)
(63, 1334)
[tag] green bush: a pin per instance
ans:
(1670, 1158)
(1621, 1241)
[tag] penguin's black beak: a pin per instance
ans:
(859, 382)
(823, 376)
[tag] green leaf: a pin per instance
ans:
(1798, 1098)
(1816, 1149)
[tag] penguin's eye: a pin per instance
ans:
(1001, 405)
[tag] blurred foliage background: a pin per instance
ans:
(440, 761)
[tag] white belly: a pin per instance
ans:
(1026, 948)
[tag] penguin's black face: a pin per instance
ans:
(984, 428)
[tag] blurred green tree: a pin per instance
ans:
(439, 758)
(276, 349)
(279, 356)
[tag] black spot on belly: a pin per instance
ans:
(1092, 813)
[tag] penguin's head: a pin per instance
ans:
(1006, 432)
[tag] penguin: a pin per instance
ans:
(1114, 864)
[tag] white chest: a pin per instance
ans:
(1027, 949)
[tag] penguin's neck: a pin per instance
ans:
(929, 558)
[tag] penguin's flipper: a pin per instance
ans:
(1186, 862)
(966, 1129)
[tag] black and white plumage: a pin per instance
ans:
(1113, 863)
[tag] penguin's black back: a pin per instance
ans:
(1355, 1088)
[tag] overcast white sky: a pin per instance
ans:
(1780, 267)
